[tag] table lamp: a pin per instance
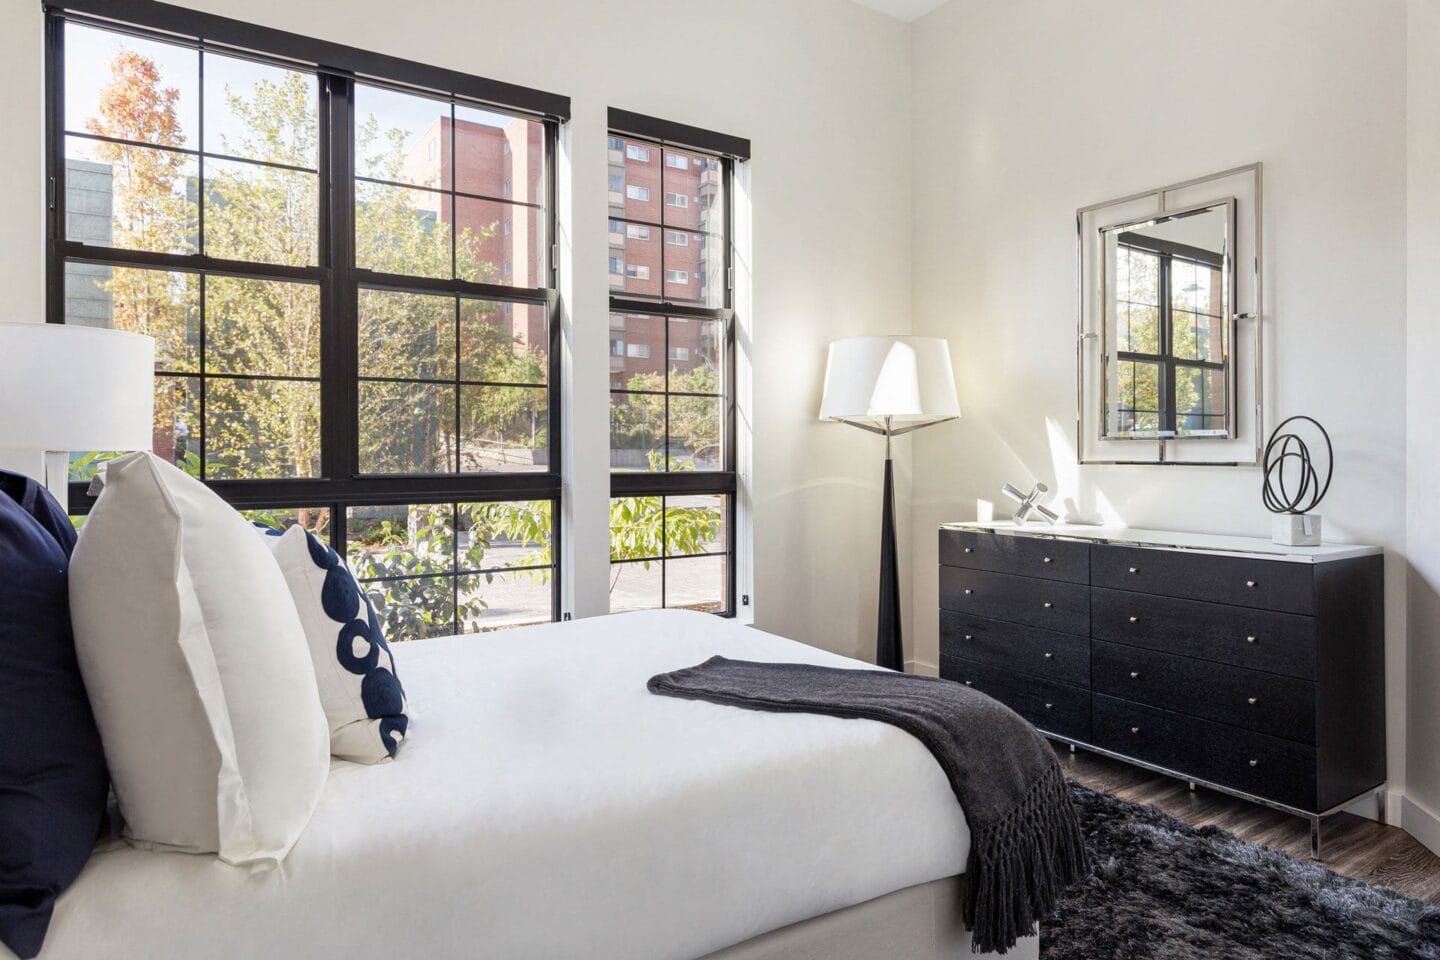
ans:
(70, 388)
(889, 386)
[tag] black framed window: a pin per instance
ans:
(347, 262)
(671, 343)
(1171, 335)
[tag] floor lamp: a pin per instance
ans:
(70, 388)
(889, 386)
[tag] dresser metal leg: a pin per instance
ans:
(1314, 838)
(1072, 748)
(1192, 786)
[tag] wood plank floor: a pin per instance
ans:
(1351, 845)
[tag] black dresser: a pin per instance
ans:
(1248, 667)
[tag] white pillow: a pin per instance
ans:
(359, 687)
(197, 669)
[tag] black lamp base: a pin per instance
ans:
(889, 652)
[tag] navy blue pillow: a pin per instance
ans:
(53, 782)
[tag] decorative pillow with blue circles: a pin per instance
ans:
(359, 689)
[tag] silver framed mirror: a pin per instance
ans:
(1169, 353)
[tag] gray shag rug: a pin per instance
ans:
(1164, 890)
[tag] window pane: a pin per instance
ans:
(636, 528)
(1199, 399)
(635, 264)
(499, 156)
(637, 431)
(162, 305)
(637, 352)
(407, 428)
(1139, 328)
(413, 609)
(402, 230)
(262, 327)
(695, 271)
(696, 349)
(316, 520)
(635, 189)
(261, 429)
(131, 88)
(504, 429)
(498, 242)
(635, 586)
(697, 583)
(408, 335)
(261, 214)
(694, 525)
(261, 112)
(694, 191)
(134, 198)
(1138, 410)
(495, 601)
(514, 533)
(400, 541)
(175, 437)
(402, 137)
(504, 342)
(696, 426)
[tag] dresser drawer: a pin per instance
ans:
(1264, 702)
(1266, 584)
(1056, 708)
(1024, 556)
(1012, 646)
(1048, 604)
(1254, 763)
(1256, 639)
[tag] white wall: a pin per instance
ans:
(1422, 768)
(1028, 109)
(818, 86)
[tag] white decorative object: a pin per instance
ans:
(197, 669)
(1030, 503)
(889, 386)
(1296, 529)
(359, 687)
(70, 388)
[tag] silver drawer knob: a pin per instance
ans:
(1252, 701)
(1250, 639)
(1254, 763)
(1048, 604)
(1048, 706)
(968, 591)
(1134, 569)
(1045, 560)
(1134, 729)
(1133, 619)
(969, 683)
(1134, 674)
(969, 636)
(1250, 583)
(1049, 656)
(968, 550)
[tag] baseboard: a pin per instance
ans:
(922, 667)
(1421, 823)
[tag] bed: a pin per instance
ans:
(545, 805)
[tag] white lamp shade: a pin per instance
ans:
(908, 380)
(65, 387)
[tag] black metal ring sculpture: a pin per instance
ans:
(1284, 448)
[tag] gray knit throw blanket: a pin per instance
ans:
(1025, 841)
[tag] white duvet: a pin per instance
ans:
(545, 805)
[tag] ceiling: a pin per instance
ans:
(907, 10)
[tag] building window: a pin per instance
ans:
(634, 151)
(637, 271)
(505, 189)
(507, 228)
(1170, 364)
(671, 420)
(617, 182)
(617, 346)
(505, 148)
(637, 231)
(617, 266)
(614, 143)
(636, 192)
(346, 351)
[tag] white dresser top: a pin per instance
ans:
(1172, 540)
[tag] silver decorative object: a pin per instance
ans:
(1030, 503)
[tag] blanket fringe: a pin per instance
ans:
(1021, 865)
